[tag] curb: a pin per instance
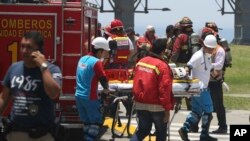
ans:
(238, 95)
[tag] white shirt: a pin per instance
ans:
(201, 67)
(219, 59)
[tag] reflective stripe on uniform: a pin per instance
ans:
(122, 57)
(120, 38)
(149, 66)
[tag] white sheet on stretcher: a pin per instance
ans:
(182, 89)
(179, 89)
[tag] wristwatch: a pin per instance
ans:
(44, 66)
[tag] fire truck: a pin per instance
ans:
(68, 29)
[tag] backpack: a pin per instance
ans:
(228, 57)
(194, 43)
(189, 48)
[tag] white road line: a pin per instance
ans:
(174, 135)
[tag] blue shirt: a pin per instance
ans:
(89, 70)
(31, 105)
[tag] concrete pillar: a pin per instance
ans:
(242, 23)
(124, 10)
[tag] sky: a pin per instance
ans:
(199, 11)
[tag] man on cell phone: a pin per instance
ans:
(32, 84)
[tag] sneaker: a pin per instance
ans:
(208, 138)
(183, 134)
(220, 131)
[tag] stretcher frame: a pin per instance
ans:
(178, 95)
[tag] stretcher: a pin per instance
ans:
(181, 88)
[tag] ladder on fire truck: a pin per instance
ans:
(77, 29)
(76, 39)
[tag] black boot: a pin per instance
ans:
(183, 134)
(206, 120)
(220, 131)
(195, 127)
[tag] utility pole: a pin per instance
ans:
(241, 11)
(124, 10)
(242, 23)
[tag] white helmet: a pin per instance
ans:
(179, 72)
(100, 43)
(210, 41)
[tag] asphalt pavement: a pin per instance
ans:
(233, 117)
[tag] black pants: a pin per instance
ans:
(217, 97)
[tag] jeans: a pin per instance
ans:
(146, 120)
(202, 107)
(217, 97)
(202, 103)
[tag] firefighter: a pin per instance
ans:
(121, 53)
(181, 53)
(131, 34)
(144, 43)
(89, 72)
(106, 31)
(106, 34)
(33, 84)
(143, 47)
(217, 78)
(170, 36)
(182, 50)
(149, 36)
(121, 46)
(152, 89)
(202, 106)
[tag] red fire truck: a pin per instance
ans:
(67, 27)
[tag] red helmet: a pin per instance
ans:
(107, 30)
(116, 24)
(206, 31)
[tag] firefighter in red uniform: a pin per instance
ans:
(106, 31)
(150, 34)
(122, 50)
(149, 37)
(144, 43)
(182, 50)
(152, 89)
(106, 34)
(171, 34)
(121, 46)
(143, 47)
